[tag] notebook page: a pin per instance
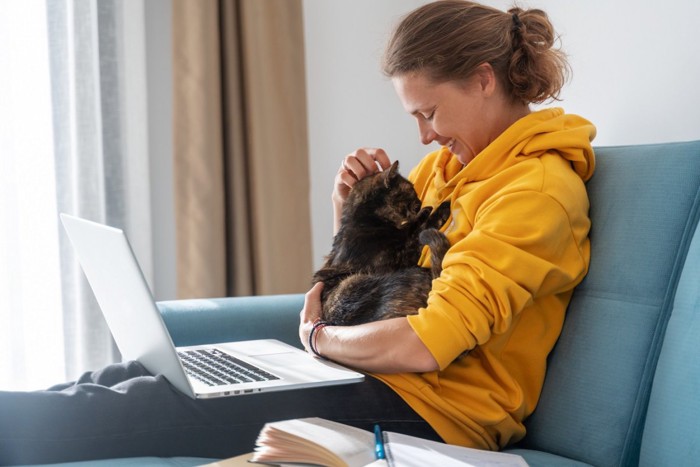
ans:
(409, 451)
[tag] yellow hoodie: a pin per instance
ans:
(519, 236)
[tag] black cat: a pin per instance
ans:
(371, 272)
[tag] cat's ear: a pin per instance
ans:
(391, 172)
(440, 215)
(394, 169)
(423, 215)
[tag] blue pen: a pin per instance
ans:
(378, 443)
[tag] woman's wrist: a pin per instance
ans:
(316, 329)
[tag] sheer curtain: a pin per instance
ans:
(29, 261)
(82, 150)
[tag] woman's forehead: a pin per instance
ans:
(419, 93)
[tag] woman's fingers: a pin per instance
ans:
(356, 166)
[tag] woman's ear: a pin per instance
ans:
(486, 78)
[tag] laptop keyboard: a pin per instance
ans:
(215, 368)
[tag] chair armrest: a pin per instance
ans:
(209, 321)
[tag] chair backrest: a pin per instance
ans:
(672, 432)
(644, 207)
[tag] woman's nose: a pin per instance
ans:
(427, 134)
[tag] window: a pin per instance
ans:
(73, 138)
(30, 289)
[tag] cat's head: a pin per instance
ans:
(386, 196)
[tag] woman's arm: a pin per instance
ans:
(388, 346)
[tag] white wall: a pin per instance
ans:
(350, 102)
(636, 66)
(635, 63)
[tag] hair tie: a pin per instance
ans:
(517, 24)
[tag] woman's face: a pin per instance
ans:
(463, 116)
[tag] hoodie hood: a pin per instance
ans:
(549, 130)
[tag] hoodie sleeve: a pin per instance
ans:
(506, 253)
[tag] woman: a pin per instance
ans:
(469, 367)
(519, 228)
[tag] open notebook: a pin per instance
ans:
(317, 441)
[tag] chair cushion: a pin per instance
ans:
(643, 210)
(208, 321)
(672, 433)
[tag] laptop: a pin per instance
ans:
(204, 371)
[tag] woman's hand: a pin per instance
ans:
(355, 167)
(310, 313)
(388, 346)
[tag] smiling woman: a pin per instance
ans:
(435, 106)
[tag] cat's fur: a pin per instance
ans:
(371, 272)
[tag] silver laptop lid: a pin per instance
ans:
(124, 297)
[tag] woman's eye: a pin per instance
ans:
(430, 116)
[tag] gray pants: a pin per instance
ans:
(123, 411)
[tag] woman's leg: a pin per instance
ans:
(122, 411)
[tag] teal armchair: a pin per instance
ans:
(623, 380)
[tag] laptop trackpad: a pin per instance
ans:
(283, 359)
(260, 348)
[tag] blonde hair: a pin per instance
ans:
(448, 39)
